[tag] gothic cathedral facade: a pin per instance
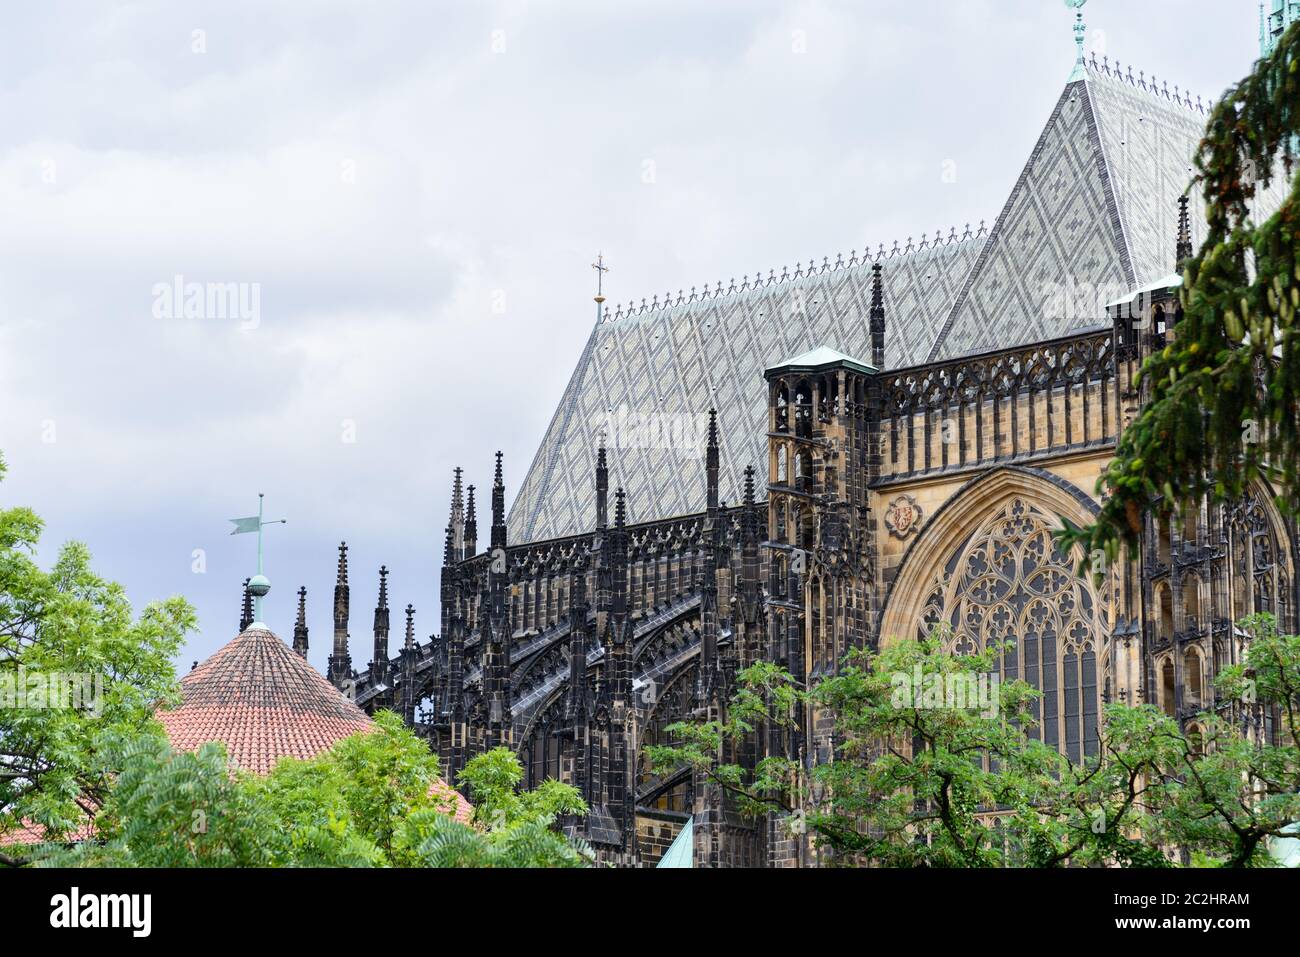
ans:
(946, 405)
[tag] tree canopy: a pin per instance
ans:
(67, 629)
(370, 801)
(926, 774)
(1225, 400)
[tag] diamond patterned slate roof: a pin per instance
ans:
(1096, 208)
(1094, 214)
(685, 358)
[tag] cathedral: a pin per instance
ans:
(840, 454)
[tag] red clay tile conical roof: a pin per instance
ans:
(263, 701)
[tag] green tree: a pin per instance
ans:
(1225, 405)
(919, 782)
(912, 780)
(57, 763)
(347, 806)
(493, 778)
(179, 809)
(371, 801)
(446, 842)
(512, 827)
(1225, 794)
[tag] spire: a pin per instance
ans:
(498, 508)
(576, 704)
(618, 560)
(454, 550)
(405, 699)
(259, 585)
(300, 626)
(1080, 32)
(246, 608)
(711, 460)
(877, 317)
(749, 565)
(340, 663)
(380, 658)
(602, 487)
(471, 526)
(1184, 248)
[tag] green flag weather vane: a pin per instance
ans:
(259, 584)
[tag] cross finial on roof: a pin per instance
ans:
(601, 269)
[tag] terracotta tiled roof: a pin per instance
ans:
(263, 701)
(28, 833)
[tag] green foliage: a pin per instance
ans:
(179, 810)
(385, 776)
(306, 800)
(446, 842)
(919, 781)
(1226, 795)
(58, 763)
(1234, 358)
(493, 779)
(371, 801)
(350, 806)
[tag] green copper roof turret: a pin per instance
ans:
(1080, 31)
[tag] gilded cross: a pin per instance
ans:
(601, 269)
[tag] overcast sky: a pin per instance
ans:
(416, 193)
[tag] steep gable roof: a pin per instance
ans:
(1060, 231)
(1095, 213)
(691, 354)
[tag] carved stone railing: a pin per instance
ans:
(1010, 405)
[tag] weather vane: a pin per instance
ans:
(259, 584)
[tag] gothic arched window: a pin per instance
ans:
(1008, 582)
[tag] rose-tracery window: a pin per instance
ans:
(1009, 582)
